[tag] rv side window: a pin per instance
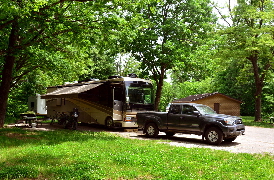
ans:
(118, 93)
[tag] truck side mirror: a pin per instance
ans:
(196, 113)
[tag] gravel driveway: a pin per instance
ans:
(255, 140)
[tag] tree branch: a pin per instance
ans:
(2, 26)
(219, 12)
(16, 79)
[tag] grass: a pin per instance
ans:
(249, 121)
(65, 154)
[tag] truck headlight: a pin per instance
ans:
(229, 121)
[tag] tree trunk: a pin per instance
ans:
(159, 89)
(7, 73)
(258, 107)
(258, 85)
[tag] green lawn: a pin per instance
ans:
(65, 154)
(249, 121)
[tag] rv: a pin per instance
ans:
(37, 105)
(111, 102)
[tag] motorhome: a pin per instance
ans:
(111, 102)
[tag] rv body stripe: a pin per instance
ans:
(87, 107)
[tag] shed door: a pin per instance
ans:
(217, 107)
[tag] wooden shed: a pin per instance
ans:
(221, 103)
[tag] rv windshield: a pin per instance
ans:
(139, 92)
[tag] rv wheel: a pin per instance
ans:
(109, 122)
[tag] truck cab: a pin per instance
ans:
(191, 118)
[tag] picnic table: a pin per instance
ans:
(29, 119)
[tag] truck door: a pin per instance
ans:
(188, 120)
(174, 117)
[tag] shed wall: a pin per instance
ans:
(227, 106)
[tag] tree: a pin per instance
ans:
(126, 64)
(172, 32)
(236, 80)
(251, 37)
(51, 36)
(268, 97)
(177, 90)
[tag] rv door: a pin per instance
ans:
(118, 102)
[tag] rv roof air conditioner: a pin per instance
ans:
(114, 77)
(132, 75)
(88, 79)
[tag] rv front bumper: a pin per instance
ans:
(130, 124)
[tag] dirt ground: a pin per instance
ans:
(255, 140)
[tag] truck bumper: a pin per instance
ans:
(233, 131)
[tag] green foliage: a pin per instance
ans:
(65, 41)
(171, 32)
(56, 42)
(63, 154)
(173, 29)
(175, 91)
(231, 80)
(250, 38)
(268, 98)
(249, 121)
(126, 65)
(200, 63)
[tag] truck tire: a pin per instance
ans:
(151, 130)
(214, 136)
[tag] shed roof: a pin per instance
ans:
(196, 97)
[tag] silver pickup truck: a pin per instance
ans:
(191, 118)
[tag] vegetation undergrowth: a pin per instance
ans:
(65, 154)
(249, 121)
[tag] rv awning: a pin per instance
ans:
(69, 92)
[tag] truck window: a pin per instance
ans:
(187, 109)
(175, 109)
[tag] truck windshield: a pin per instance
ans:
(139, 92)
(205, 110)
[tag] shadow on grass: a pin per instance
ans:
(188, 140)
(19, 137)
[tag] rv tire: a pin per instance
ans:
(109, 122)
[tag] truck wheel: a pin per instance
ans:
(230, 139)
(109, 122)
(214, 136)
(151, 130)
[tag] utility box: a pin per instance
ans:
(38, 105)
